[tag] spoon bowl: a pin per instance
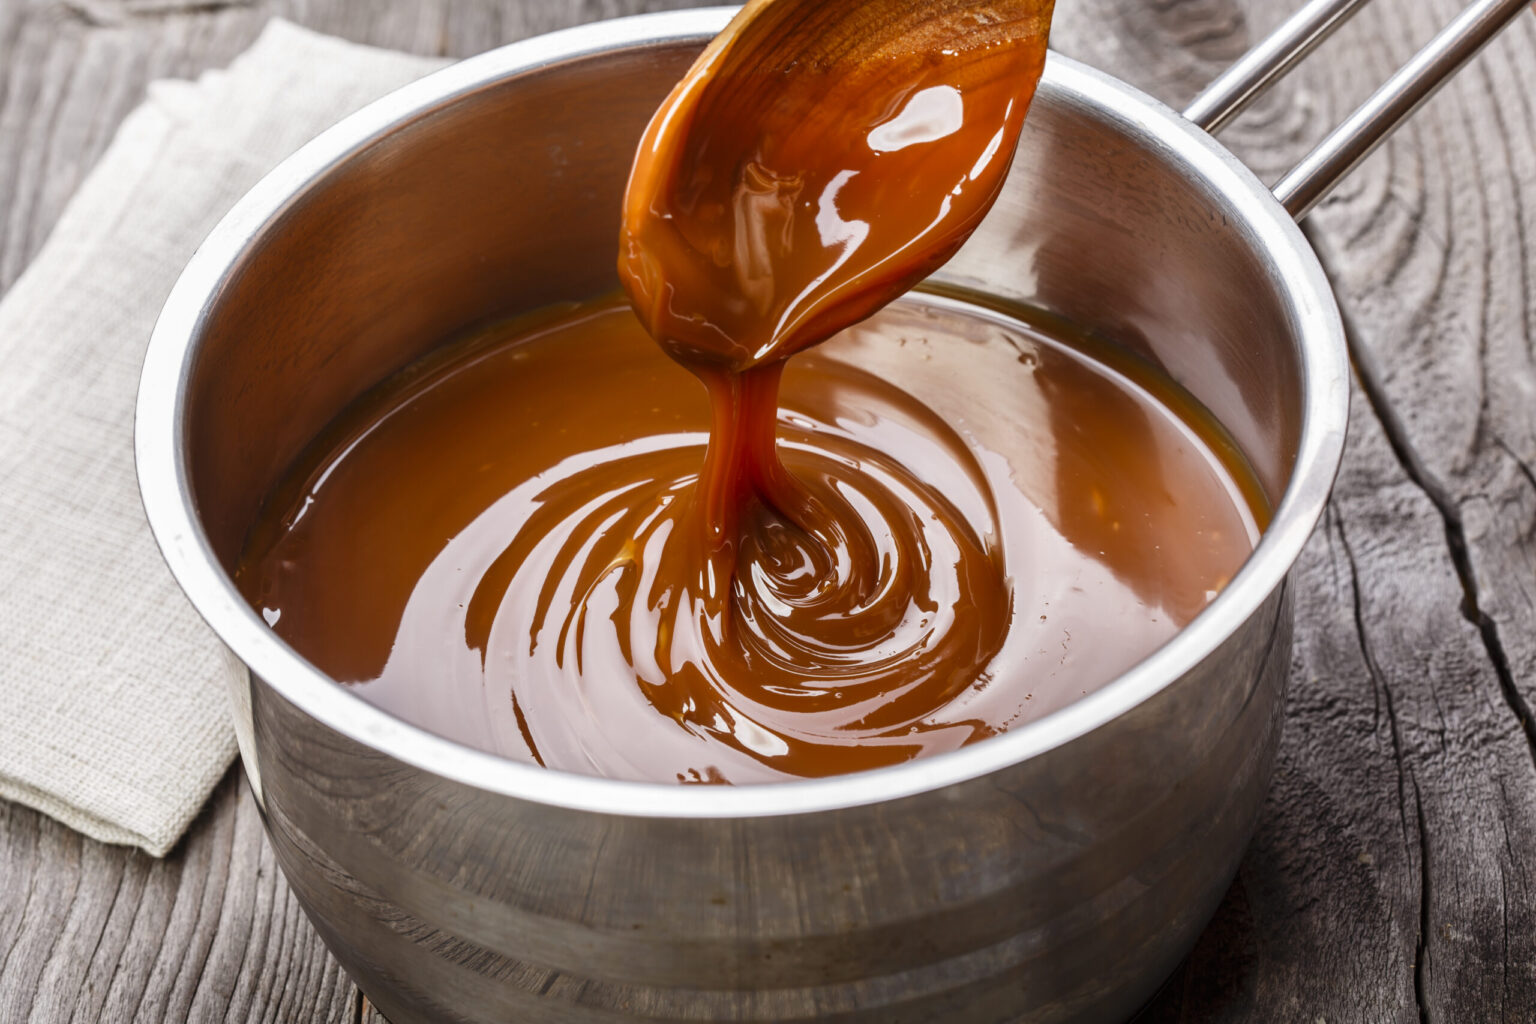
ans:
(816, 162)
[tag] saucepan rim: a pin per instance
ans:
(160, 453)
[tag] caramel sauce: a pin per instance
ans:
(504, 544)
(550, 542)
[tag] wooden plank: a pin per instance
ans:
(1391, 876)
(93, 932)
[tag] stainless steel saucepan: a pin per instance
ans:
(1056, 872)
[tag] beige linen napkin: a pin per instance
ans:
(112, 690)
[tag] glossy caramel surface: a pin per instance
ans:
(508, 545)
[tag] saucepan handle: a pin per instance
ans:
(1360, 133)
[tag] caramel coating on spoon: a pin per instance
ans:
(818, 160)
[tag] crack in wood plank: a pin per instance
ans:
(1369, 374)
(1378, 678)
(116, 13)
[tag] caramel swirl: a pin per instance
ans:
(508, 548)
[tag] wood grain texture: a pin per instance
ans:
(1393, 876)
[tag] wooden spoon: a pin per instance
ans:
(818, 159)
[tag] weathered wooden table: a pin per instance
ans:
(1393, 876)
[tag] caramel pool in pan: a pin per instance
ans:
(501, 544)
